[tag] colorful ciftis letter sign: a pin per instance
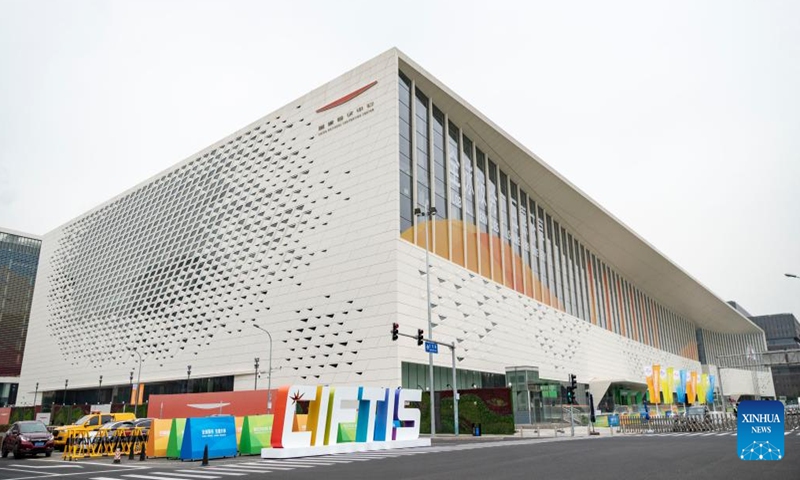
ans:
(380, 415)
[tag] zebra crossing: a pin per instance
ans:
(231, 470)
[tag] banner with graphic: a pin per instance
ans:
(710, 393)
(691, 387)
(648, 376)
(656, 398)
(702, 382)
(680, 388)
(671, 385)
(668, 376)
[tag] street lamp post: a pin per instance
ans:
(35, 393)
(99, 386)
(64, 401)
(429, 212)
(131, 395)
(188, 376)
(269, 369)
(135, 396)
(255, 387)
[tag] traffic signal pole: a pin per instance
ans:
(573, 385)
(452, 346)
(571, 422)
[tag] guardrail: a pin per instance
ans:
(663, 424)
(791, 421)
(718, 422)
(84, 443)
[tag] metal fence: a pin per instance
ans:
(720, 422)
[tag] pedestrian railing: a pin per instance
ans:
(792, 421)
(717, 422)
(721, 422)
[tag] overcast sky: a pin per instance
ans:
(681, 118)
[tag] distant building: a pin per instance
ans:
(782, 331)
(19, 259)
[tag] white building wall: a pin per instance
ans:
(320, 278)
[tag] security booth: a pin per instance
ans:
(526, 393)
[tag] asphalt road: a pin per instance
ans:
(651, 457)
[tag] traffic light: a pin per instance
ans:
(420, 334)
(570, 396)
(395, 330)
(571, 389)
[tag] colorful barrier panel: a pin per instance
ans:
(256, 433)
(239, 425)
(175, 438)
(158, 438)
(216, 433)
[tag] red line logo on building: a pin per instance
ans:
(347, 97)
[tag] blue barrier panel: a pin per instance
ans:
(219, 433)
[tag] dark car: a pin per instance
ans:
(144, 424)
(27, 438)
(110, 429)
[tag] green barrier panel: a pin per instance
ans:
(347, 432)
(602, 421)
(256, 434)
(175, 438)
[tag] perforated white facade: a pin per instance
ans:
(291, 223)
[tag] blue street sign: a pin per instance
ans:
(613, 420)
(431, 347)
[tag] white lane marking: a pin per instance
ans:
(112, 465)
(215, 472)
(68, 465)
(147, 477)
(190, 475)
(287, 465)
(299, 462)
(229, 469)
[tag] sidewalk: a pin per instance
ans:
(523, 431)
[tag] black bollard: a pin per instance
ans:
(205, 456)
(130, 447)
(142, 454)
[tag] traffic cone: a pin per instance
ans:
(205, 456)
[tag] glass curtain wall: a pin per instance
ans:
(489, 222)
